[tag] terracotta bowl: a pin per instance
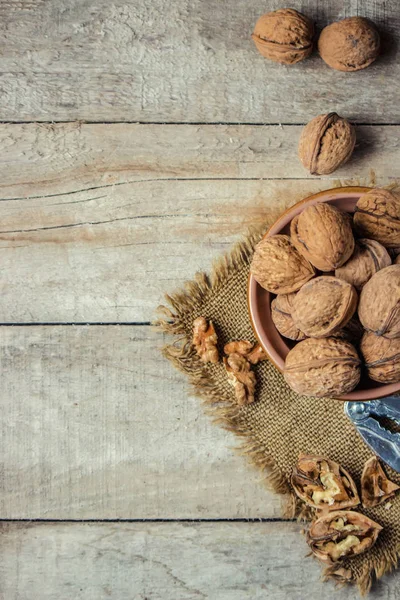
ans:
(259, 300)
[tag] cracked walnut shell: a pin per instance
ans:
(326, 143)
(278, 266)
(340, 534)
(377, 217)
(368, 258)
(376, 488)
(281, 314)
(379, 306)
(322, 367)
(350, 44)
(284, 36)
(323, 306)
(323, 235)
(323, 483)
(382, 357)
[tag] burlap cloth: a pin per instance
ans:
(280, 424)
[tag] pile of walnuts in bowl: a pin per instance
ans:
(337, 285)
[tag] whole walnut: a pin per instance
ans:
(323, 306)
(377, 217)
(349, 45)
(278, 267)
(339, 534)
(323, 235)
(368, 258)
(352, 332)
(382, 357)
(379, 306)
(322, 367)
(284, 36)
(326, 143)
(281, 313)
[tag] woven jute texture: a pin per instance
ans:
(280, 424)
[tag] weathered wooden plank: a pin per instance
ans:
(97, 424)
(165, 561)
(131, 60)
(40, 159)
(109, 255)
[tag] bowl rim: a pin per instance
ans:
(381, 392)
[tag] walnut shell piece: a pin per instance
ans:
(350, 44)
(284, 36)
(368, 258)
(241, 377)
(326, 143)
(281, 313)
(323, 483)
(205, 340)
(382, 357)
(379, 306)
(341, 534)
(397, 261)
(323, 306)
(278, 266)
(323, 235)
(377, 217)
(376, 488)
(325, 367)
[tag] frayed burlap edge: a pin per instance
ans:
(226, 414)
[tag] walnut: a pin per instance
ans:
(242, 347)
(323, 483)
(352, 332)
(340, 534)
(205, 340)
(323, 235)
(323, 306)
(349, 45)
(326, 143)
(253, 352)
(322, 367)
(368, 258)
(257, 354)
(382, 357)
(278, 267)
(377, 217)
(281, 313)
(284, 36)
(397, 261)
(376, 488)
(240, 376)
(379, 307)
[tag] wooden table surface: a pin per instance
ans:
(139, 140)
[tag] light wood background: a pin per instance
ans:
(138, 141)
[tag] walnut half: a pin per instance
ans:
(376, 488)
(241, 377)
(324, 484)
(341, 534)
(205, 340)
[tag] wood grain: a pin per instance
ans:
(109, 255)
(165, 561)
(61, 158)
(99, 220)
(180, 61)
(96, 424)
